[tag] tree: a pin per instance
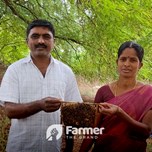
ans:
(88, 32)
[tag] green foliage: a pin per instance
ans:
(88, 33)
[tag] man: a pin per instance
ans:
(32, 91)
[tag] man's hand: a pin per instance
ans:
(50, 104)
(23, 110)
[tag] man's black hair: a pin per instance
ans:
(40, 22)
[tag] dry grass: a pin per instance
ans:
(149, 145)
(4, 128)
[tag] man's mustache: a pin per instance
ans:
(40, 46)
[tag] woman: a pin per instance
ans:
(125, 109)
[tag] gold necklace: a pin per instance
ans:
(116, 87)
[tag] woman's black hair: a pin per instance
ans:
(40, 22)
(130, 44)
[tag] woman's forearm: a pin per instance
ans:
(138, 127)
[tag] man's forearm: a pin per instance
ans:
(23, 110)
(18, 111)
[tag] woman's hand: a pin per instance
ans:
(108, 109)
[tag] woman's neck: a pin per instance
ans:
(124, 85)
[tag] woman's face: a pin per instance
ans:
(128, 63)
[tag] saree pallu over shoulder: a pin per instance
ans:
(117, 135)
(135, 103)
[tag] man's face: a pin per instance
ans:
(40, 41)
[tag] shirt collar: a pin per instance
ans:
(28, 59)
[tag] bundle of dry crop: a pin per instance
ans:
(78, 114)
